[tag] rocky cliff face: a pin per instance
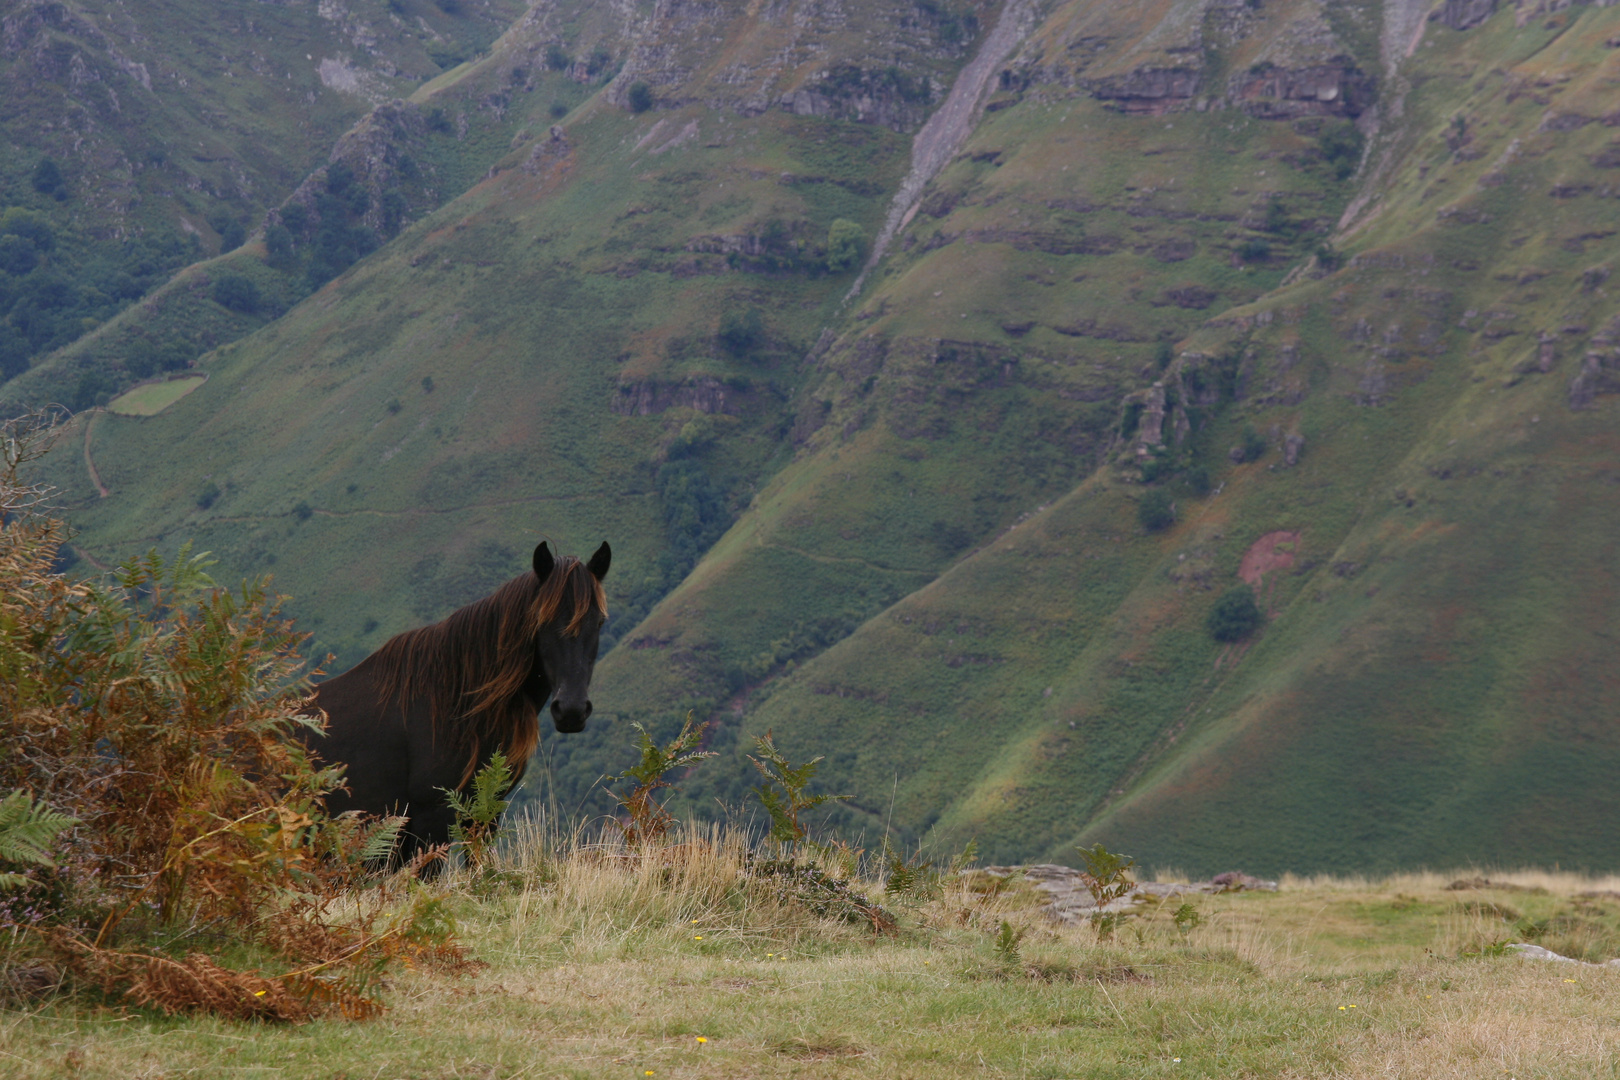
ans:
(1201, 54)
(882, 62)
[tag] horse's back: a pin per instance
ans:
(367, 734)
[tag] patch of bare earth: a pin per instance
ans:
(1273, 552)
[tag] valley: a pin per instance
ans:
(935, 368)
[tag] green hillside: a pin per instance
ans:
(547, 355)
(1307, 295)
(140, 137)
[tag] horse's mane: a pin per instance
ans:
(470, 667)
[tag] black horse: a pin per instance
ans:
(425, 712)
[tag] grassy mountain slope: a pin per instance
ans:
(1044, 278)
(1429, 686)
(541, 357)
(1436, 686)
(1331, 278)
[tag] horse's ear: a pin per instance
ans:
(543, 562)
(598, 566)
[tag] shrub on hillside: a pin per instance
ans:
(846, 243)
(1277, 219)
(1156, 511)
(50, 290)
(159, 712)
(446, 53)
(278, 245)
(146, 357)
(1254, 251)
(25, 223)
(695, 513)
(741, 332)
(95, 386)
(1235, 615)
(17, 255)
(1252, 448)
(639, 97)
(47, 179)
(295, 216)
(237, 293)
(14, 351)
(394, 207)
(1340, 145)
(231, 232)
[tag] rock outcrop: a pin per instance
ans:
(649, 397)
(1464, 14)
(1599, 374)
(1071, 900)
(379, 152)
(796, 60)
(1149, 91)
(1293, 446)
(880, 96)
(1331, 89)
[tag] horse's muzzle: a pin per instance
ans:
(570, 719)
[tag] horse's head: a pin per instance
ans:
(571, 622)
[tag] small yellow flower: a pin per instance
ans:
(769, 955)
(1352, 1006)
(1341, 1008)
(701, 1039)
(697, 937)
(1566, 980)
(694, 920)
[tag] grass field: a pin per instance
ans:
(151, 398)
(673, 967)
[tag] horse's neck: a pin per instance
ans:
(536, 690)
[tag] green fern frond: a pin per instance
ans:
(477, 815)
(777, 770)
(382, 841)
(27, 831)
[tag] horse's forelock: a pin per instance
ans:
(571, 580)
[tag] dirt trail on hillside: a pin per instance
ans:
(90, 462)
(945, 132)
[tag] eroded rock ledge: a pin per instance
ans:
(1071, 900)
